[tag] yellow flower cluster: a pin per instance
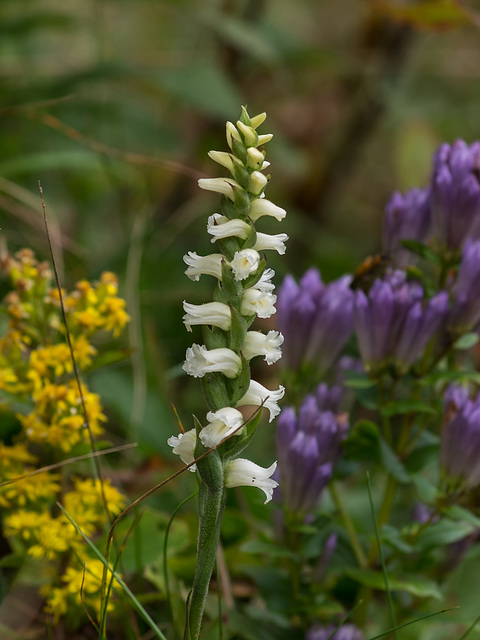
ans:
(81, 585)
(39, 396)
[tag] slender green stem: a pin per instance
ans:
(349, 527)
(210, 504)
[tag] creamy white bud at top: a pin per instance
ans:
(263, 139)
(220, 226)
(265, 284)
(259, 344)
(257, 183)
(266, 241)
(232, 134)
(249, 134)
(203, 265)
(257, 395)
(184, 446)
(223, 422)
(199, 361)
(260, 302)
(245, 473)
(263, 207)
(256, 121)
(225, 186)
(255, 158)
(227, 160)
(244, 263)
(214, 313)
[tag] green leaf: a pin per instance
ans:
(427, 491)
(442, 533)
(456, 512)
(400, 407)
(356, 380)
(416, 586)
(447, 376)
(392, 463)
(363, 442)
(393, 537)
(267, 548)
(422, 250)
(421, 457)
(467, 341)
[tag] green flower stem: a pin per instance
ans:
(210, 506)
(349, 527)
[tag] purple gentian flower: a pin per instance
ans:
(394, 322)
(308, 446)
(407, 217)
(465, 313)
(455, 196)
(346, 632)
(460, 442)
(316, 320)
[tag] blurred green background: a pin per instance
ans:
(113, 105)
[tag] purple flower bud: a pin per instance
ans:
(460, 441)
(346, 632)
(308, 446)
(407, 217)
(329, 398)
(315, 320)
(455, 194)
(394, 323)
(466, 301)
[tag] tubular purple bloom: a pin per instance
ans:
(308, 446)
(460, 441)
(394, 323)
(315, 319)
(407, 217)
(456, 194)
(466, 302)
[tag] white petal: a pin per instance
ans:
(199, 360)
(223, 422)
(258, 395)
(257, 301)
(220, 226)
(259, 344)
(245, 473)
(275, 242)
(184, 446)
(214, 313)
(199, 265)
(244, 263)
(225, 186)
(263, 207)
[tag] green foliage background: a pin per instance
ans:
(113, 105)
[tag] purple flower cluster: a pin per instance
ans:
(465, 313)
(308, 446)
(455, 196)
(395, 322)
(448, 209)
(346, 632)
(407, 217)
(315, 319)
(460, 442)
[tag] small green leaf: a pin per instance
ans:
(392, 463)
(356, 380)
(467, 341)
(456, 512)
(363, 442)
(416, 586)
(442, 533)
(400, 407)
